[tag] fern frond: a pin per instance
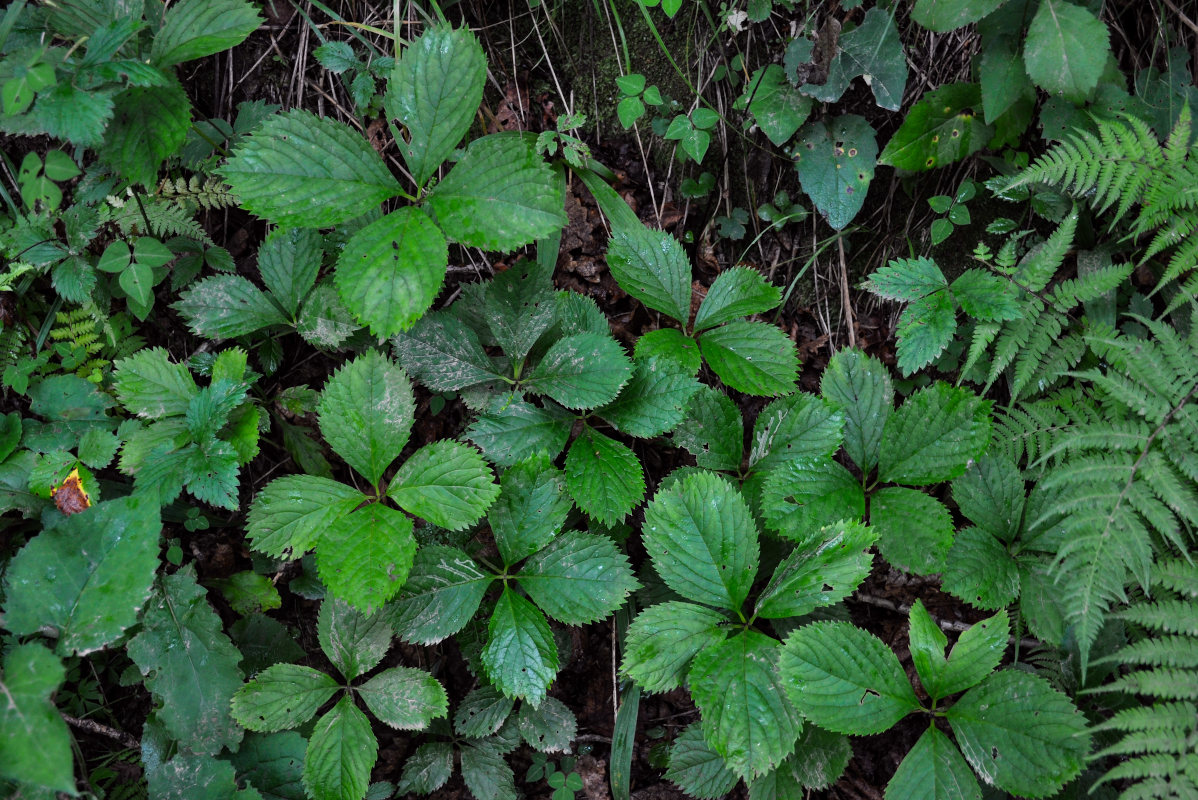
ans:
(1042, 262)
(198, 192)
(161, 218)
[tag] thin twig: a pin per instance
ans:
(99, 729)
(1189, 23)
(845, 301)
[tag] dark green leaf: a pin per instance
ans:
(934, 768)
(150, 385)
(443, 590)
(652, 267)
(148, 126)
(801, 426)
(604, 476)
(447, 483)
(340, 755)
(289, 261)
(697, 768)
(354, 642)
(673, 344)
(980, 571)
(712, 430)
(578, 578)
(943, 16)
(443, 354)
(193, 29)
(531, 509)
(1067, 49)
(915, 531)
(943, 127)
(654, 401)
(663, 639)
(404, 698)
(872, 50)
(835, 158)
(225, 306)
(288, 517)
(736, 292)
(282, 696)
(861, 386)
(801, 496)
(777, 108)
(986, 297)
(481, 713)
(35, 745)
(934, 435)
(520, 657)
(518, 430)
(549, 727)
(823, 570)
(364, 557)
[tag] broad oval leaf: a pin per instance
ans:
(444, 589)
(861, 386)
(282, 696)
(652, 267)
(581, 371)
(520, 657)
(915, 531)
(712, 430)
(519, 430)
(150, 385)
(824, 570)
(531, 509)
(943, 16)
(549, 727)
(442, 353)
(604, 477)
(698, 769)
(836, 159)
(980, 570)
(404, 698)
(289, 261)
(148, 126)
(663, 639)
(354, 642)
(1067, 49)
(224, 306)
(303, 170)
(801, 496)
(935, 769)
(366, 411)
(447, 483)
(654, 401)
(802, 426)
(736, 292)
(288, 517)
(193, 29)
(934, 436)
(777, 107)
(673, 344)
(392, 270)
(364, 557)
(35, 745)
(481, 713)
(845, 679)
(752, 357)
(942, 128)
(872, 50)
(340, 754)
(703, 540)
(579, 578)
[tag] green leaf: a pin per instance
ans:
(818, 761)
(581, 371)
(697, 768)
(193, 29)
(872, 50)
(273, 763)
(353, 642)
(366, 411)
(391, 271)
(225, 306)
(520, 657)
(1066, 49)
(289, 261)
(500, 196)
(703, 540)
(519, 430)
(364, 557)
(520, 306)
(712, 430)
(531, 509)
(481, 713)
(943, 16)
(915, 531)
(308, 171)
(324, 320)
(578, 578)
(752, 357)
(934, 435)
(991, 495)
(549, 727)
(935, 769)
(835, 158)
(282, 696)
(670, 343)
(247, 592)
(1003, 79)
(942, 128)
(188, 777)
(1021, 734)
(799, 497)
(604, 476)
(980, 570)
(443, 590)
(485, 773)
(976, 654)
(925, 329)
(341, 753)
(739, 692)
(87, 577)
(736, 292)
(434, 90)
(447, 483)
(986, 297)
(777, 108)
(801, 426)
(845, 679)
(406, 699)
(148, 126)
(442, 353)
(825, 569)
(137, 281)
(654, 400)
(663, 639)
(288, 517)
(652, 267)
(907, 279)
(861, 386)
(149, 385)
(35, 745)
(189, 665)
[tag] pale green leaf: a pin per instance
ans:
(440, 352)
(578, 578)
(933, 769)
(519, 430)
(150, 385)
(697, 768)
(308, 171)
(845, 679)
(289, 261)
(531, 508)
(835, 158)
(703, 540)
(225, 306)
(447, 483)
(364, 557)
(148, 126)
(193, 29)
(654, 401)
(549, 727)
(1066, 49)
(341, 753)
(434, 90)
(366, 411)
(825, 569)
(736, 292)
(324, 321)
(818, 761)
(581, 371)
(872, 50)
(907, 279)
(189, 665)
(673, 344)
(35, 745)
(747, 718)
(943, 16)
(915, 531)
(934, 435)
(404, 698)
(801, 496)
(282, 696)
(391, 271)
(87, 577)
(752, 357)
(354, 642)
(288, 517)
(663, 639)
(1020, 734)
(652, 267)
(777, 107)
(604, 477)
(427, 769)
(712, 430)
(980, 570)
(499, 196)
(443, 590)
(520, 657)
(481, 713)
(802, 426)
(137, 282)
